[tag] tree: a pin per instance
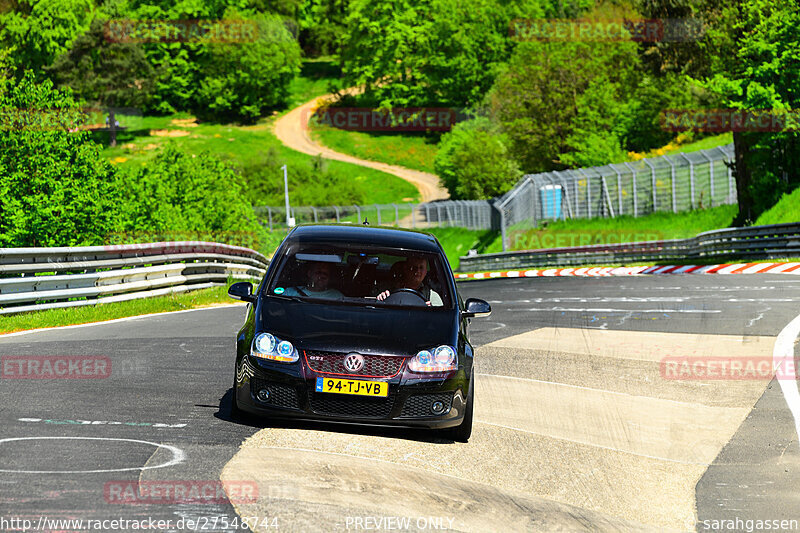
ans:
(754, 47)
(473, 161)
(109, 74)
(322, 23)
(55, 188)
(39, 30)
(554, 94)
(423, 52)
(241, 80)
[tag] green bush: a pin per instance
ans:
(187, 194)
(473, 161)
(320, 187)
(55, 188)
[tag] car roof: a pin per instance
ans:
(368, 235)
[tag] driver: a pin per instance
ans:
(411, 275)
(319, 277)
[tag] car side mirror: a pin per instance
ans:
(242, 290)
(474, 307)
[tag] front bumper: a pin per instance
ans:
(292, 394)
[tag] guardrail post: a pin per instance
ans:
(619, 190)
(358, 214)
(396, 215)
(269, 214)
(336, 208)
(314, 209)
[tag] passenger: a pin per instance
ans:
(411, 274)
(319, 277)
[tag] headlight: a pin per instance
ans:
(267, 346)
(442, 359)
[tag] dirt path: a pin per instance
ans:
(292, 130)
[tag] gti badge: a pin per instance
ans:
(354, 362)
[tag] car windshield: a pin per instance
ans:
(357, 274)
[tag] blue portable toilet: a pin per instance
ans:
(551, 201)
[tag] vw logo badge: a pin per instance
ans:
(354, 362)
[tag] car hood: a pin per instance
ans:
(343, 328)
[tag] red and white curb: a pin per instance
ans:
(737, 268)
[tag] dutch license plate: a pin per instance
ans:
(352, 386)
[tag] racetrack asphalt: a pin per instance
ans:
(575, 427)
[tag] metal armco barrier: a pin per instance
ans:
(33, 279)
(757, 242)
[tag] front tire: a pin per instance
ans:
(462, 432)
(236, 412)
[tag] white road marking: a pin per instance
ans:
(177, 456)
(101, 423)
(609, 310)
(784, 353)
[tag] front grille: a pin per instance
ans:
(382, 366)
(280, 395)
(420, 404)
(356, 407)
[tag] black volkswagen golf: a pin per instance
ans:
(358, 324)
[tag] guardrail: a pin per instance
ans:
(757, 242)
(34, 279)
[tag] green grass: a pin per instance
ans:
(458, 241)
(245, 146)
(704, 144)
(786, 210)
(314, 80)
(581, 232)
(97, 313)
(411, 150)
(251, 146)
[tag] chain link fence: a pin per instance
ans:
(674, 183)
(471, 214)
